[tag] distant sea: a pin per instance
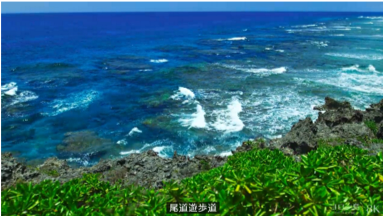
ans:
(195, 83)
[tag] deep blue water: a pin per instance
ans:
(190, 82)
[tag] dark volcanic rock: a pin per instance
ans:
(145, 169)
(380, 130)
(300, 139)
(374, 113)
(13, 171)
(338, 121)
(331, 104)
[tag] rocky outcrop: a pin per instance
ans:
(13, 172)
(145, 169)
(336, 121)
(380, 131)
(374, 113)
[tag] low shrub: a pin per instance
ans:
(257, 182)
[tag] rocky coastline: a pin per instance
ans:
(337, 123)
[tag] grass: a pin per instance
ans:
(372, 125)
(257, 182)
(52, 173)
(205, 165)
(255, 143)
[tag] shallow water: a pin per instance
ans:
(187, 82)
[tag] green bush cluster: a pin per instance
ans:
(257, 182)
(255, 143)
(53, 173)
(372, 125)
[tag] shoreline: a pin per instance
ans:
(337, 122)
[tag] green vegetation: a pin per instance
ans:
(372, 125)
(330, 142)
(204, 164)
(255, 143)
(257, 182)
(53, 173)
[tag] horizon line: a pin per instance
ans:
(91, 12)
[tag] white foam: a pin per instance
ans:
(317, 29)
(209, 149)
(305, 26)
(163, 151)
(260, 71)
(195, 120)
(341, 28)
(146, 70)
(187, 92)
(11, 92)
(374, 57)
(320, 43)
(183, 93)
(279, 50)
(157, 146)
(371, 68)
(228, 119)
(122, 142)
(225, 154)
(373, 17)
(78, 160)
(159, 60)
(352, 68)
(272, 111)
(367, 82)
(237, 38)
(8, 86)
(337, 35)
(274, 136)
(79, 100)
(233, 39)
(26, 96)
(134, 130)
(130, 152)
(11, 89)
(279, 70)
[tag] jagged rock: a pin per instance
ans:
(331, 104)
(374, 113)
(152, 153)
(54, 164)
(350, 131)
(336, 117)
(249, 145)
(300, 139)
(339, 120)
(13, 171)
(102, 166)
(380, 131)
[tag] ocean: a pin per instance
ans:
(112, 84)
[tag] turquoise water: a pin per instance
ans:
(195, 83)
